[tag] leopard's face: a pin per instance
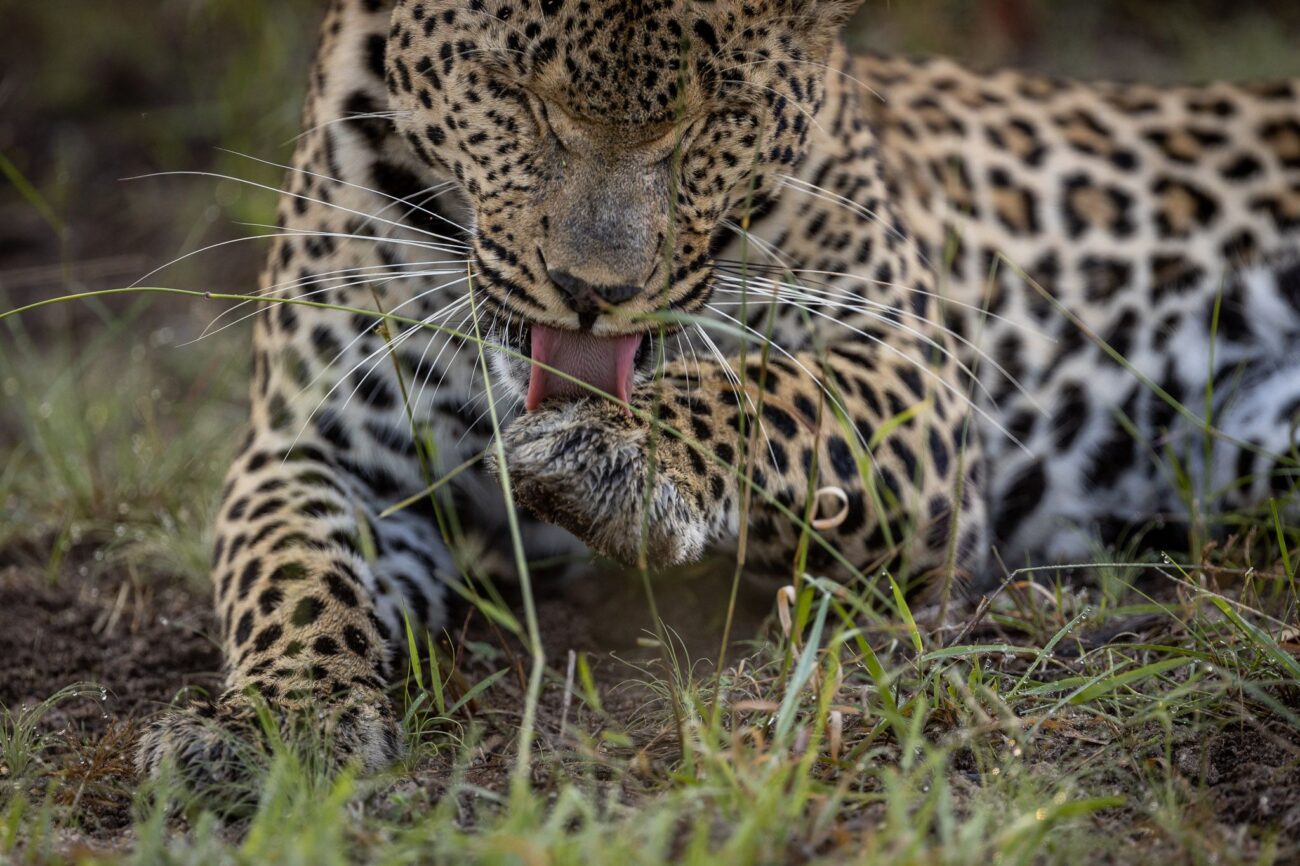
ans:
(601, 145)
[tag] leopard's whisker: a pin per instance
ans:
(785, 353)
(734, 380)
(824, 66)
(764, 246)
(434, 366)
(383, 272)
(373, 280)
(740, 267)
(834, 198)
(209, 248)
(785, 292)
(958, 393)
(451, 363)
(489, 340)
(775, 254)
(373, 358)
(425, 196)
(446, 184)
(287, 284)
(487, 410)
(350, 118)
(293, 233)
(927, 371)
(681, 353)
(358, 337)
(298, 196)
(812, 118)
(729, 268)
(715, 306)
(451, 248)
(510, 410)
(840, 299)
(397, 270)
(376, 359)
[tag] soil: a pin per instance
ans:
(142, 644)
(145, 642)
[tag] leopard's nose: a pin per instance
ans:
(585, 297)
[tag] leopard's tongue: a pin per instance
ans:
(605, 363)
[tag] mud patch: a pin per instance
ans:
(1252, 773)
(140, 644)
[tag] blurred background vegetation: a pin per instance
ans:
(94, 92)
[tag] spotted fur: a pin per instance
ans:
(916, 282)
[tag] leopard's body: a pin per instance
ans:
(943, 262)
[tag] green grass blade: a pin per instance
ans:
(1134, 675)
(906, 613)
(802, 672)
(1259, 638)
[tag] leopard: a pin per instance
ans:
(560, 281)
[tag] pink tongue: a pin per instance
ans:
(604, 363)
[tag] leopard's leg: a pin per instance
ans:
(310, 592)
(890, 460)
(1258, 456)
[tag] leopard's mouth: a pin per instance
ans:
(570, 364)
(565, 365)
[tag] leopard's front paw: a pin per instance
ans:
(585, 466)
(217, 747)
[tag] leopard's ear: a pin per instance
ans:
(824, 13)
(824, 17)
(834, 13)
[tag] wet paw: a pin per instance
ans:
(585, 465)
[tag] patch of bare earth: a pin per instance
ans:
(146, 641)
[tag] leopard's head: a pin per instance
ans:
(601, 146)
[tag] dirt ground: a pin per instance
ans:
(140, 645)
(146, 642)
